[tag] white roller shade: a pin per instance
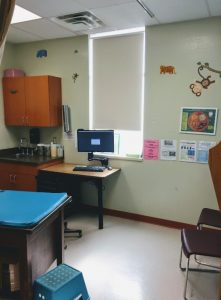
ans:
(117, 82)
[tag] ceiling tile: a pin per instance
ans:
(91, 4)
(50, 8)
(19, 36)
(177, 10)
(124, 16)
(44, 29)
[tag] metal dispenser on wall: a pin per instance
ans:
(66, 118)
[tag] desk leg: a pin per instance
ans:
(100, 203)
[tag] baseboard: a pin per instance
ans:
(146, 219)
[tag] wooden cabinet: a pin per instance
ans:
(32, 101)
(18, 176)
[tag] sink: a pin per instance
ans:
(19, 155)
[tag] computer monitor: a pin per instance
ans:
(95, 141)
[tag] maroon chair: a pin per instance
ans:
(209, 217)
(199, 242)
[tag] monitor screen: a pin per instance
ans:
(95, 140)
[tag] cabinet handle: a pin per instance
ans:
(12, 178)
(26, 120)
(13, 91)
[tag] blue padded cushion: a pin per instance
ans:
(26, 209)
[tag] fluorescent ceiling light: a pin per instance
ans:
(22, 15)
(147, 10)
(117, 32)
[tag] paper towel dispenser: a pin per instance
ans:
(66, 118)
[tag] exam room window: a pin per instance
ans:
(116, 79)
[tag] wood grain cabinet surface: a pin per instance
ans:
(32, 101)
(19, 176)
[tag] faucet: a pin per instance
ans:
(22, 145)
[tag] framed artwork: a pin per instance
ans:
(198, 120)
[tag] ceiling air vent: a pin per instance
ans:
(79, 21)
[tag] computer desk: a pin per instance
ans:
(61, 177)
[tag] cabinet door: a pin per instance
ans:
(43, 106)
(18, 177)
(24, 182)
(13, 181)
(5, 183)
(14, 100)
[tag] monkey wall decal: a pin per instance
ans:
(198, 86)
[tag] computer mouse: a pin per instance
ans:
(109, 168)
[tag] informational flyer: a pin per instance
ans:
(151, 149)
(203, 151)
(168, 149)
(187, 151)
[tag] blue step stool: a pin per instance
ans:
(63, 282)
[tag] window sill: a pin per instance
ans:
(118, 157)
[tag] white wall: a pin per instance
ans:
(163, 189)
(8, 137)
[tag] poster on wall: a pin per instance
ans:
(168, 149)
(188, 151)
(203, 151)
(151, 149)
(198, 120)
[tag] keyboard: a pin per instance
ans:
(89, 168)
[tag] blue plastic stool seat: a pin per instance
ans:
(63, 282)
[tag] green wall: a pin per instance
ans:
(170, 190)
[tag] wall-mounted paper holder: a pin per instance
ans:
(66, 118)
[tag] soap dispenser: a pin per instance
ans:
(53, 150)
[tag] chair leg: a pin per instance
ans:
(186, 278)
(187, 272)
(72, 231)
(207, 265)
(217, 269)
(180, 262)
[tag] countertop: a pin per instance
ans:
(13, 155)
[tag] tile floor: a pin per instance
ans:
(130, 260)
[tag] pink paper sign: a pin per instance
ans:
(151, 149)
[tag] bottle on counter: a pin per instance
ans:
(60, 150)
(53, 150)
(40, 149)
(47, 150)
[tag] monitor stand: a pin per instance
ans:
(102, 160)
